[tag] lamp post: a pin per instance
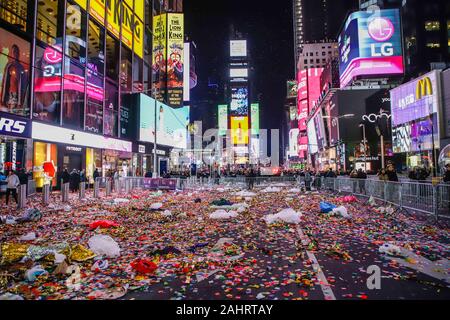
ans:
(347, 116)
(364, 142)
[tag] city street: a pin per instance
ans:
(189, 255)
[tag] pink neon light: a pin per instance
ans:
(71, 82)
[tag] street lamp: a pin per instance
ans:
(346, 116)
(364, 142)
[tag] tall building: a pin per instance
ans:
(317, 55)
(74, 78)
(318, 20)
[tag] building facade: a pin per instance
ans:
(68, 72)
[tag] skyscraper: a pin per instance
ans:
(319, 20)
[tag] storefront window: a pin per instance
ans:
(47, 84)
(96, 50)
(111, 109)
(44, 155)
(14, 73)
(112, 58)
(76, 21)
(74, 88)
(14, 12)
(137, 74)
(126, 70)
(49, 22)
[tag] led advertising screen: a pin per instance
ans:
(239, 101)
(222, 114)
(416, 99)
(314, 89)
(238, 48)
(239, 73)
(370, 45)
(171, 123)
(415, 136)
(312, 137)
(293, 142)
(254, 120)
(186, 72)
(291, 89)
(320, 130)
(159, 55)
(175, 59)
(239, 130)
(302, 99)
(14, 73)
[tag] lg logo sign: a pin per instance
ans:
(12, 126)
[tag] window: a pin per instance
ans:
(323, 53)
(73, 96)
(47, 84)
(432, 25)
(94, 106)
(317, 60)
(14, 73)
(112, 58)
(111, 109)
(15, 13)
(76, 33)
(49, 27)
(126, 69)
(137, 74)
(96, 48)
(306, 61)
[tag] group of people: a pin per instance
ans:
(74, 178)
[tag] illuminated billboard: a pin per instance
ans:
(254, 120)
(159, 55)
(291, 89)
(222, 114)
(238, 48)
(416, 99)
(239, 73)
(314, 89)
(175, 58)
(370, 44)
(239, 130)
(293, 142)
(239, 101)
(312, 137)
(171, 123)
(186, 72)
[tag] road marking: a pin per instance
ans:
(324, 285)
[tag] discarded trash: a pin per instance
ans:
(10, 296)
(223, 214)
(104, 245)
(33, 273)
(103, 224)
(341, 211)
(287, 215)
(100, 265)
(390, 249)
(144, 266)
(156, 206)
(28, 237)
(326, 207)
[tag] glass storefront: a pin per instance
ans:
(44, 154)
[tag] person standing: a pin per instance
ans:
(74, 177)
(96, 174)
(12, 183)
(308, 179)
(362, 176)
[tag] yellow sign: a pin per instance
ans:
(113, 18)
(82, 3)
(159, 54)
(175, 64)
(97, 10)
(127, 26)
(424, 88)
(139, 38)
(139, 9)
(239, 130)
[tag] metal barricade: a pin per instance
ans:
(82, 191)
(31, 187)
(65, 192)
(417, 196)
(96, 189)
(108, 187)
(22, 196)
(443, 200)
(46, 194)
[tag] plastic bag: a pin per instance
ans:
(326, 207)
(102, 244)
(166, 213)
(390, 249)
(156, 206)
(341, 211)
(103, 224)
(28, 237)
(287, 215)
(144, 266)
(222, 214)
(33, 273)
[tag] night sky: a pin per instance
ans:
(267, 25)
